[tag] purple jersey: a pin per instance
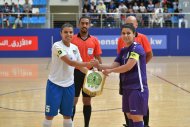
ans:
(135, 78)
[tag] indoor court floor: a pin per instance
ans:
(22, 94)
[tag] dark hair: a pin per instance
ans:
(66, 25)
(84, 17)
(130, 26)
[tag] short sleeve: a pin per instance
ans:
(78, 55)
(136, 52)
(59, 51)
(98, 50)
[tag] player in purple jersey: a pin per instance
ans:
(131, 63)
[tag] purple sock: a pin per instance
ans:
(130, 123)
(138, 124)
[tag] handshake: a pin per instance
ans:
(95, 63)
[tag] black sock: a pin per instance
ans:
(87, 109)
(74, 109)
(146, 118)
(126, 119)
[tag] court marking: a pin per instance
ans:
(19, 110)
(171, 83)
(157, 76)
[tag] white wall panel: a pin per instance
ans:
(64, 2)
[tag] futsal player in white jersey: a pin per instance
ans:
(60, 85)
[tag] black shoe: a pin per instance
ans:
(125, 125)
(146, 126)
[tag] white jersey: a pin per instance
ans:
(62, 73)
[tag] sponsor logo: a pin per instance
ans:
(19, 71)
(133, 110)
(110, 42)
(158, 41)
(18, 43)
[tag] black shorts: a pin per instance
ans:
(78, 81)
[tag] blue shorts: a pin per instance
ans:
(59, 98)
(135, 102)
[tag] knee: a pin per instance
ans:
(49, 117)
(86, 100)
(137, 118)
(67, 117)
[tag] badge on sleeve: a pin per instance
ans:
(59, 52)
(75, 52)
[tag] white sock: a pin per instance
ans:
(68, 123)
(47, 123)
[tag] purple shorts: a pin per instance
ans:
(135, 102)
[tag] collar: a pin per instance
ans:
(78, 35)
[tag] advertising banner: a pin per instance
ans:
(110, 41)
(158, 41)
(18, 43)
